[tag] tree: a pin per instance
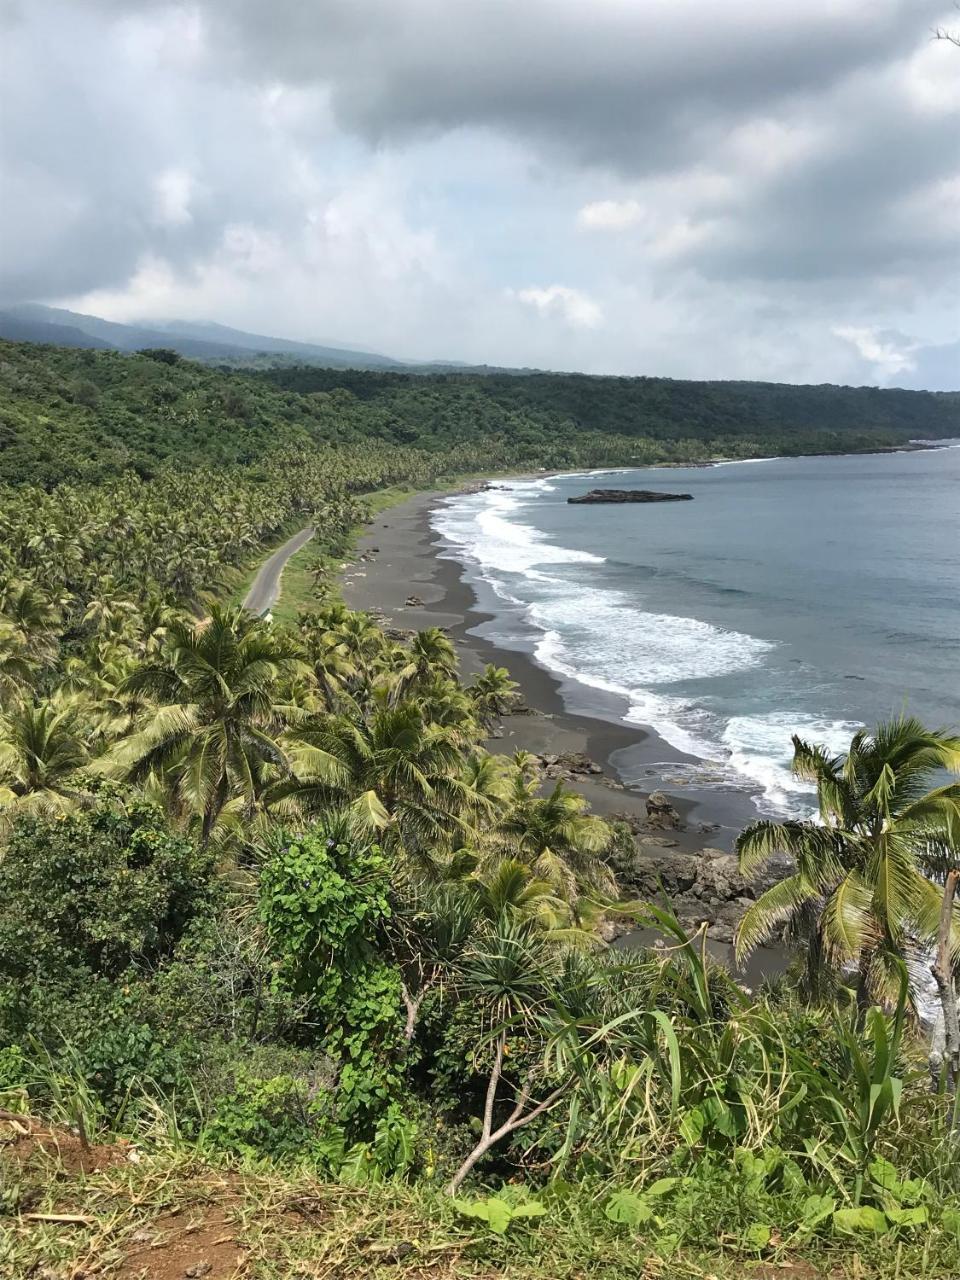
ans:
(556, 837)
(41, 750)
(493, 692)
(213, 734)
(397, 773)
(429, 654)
(859, 894)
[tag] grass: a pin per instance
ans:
(167, 1212)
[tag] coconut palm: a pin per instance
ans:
(396, 771)
(429, 654)
(493, 692)
(858, 894)
(213, 733)
(41, 750)
(16, 668)
(556, 837)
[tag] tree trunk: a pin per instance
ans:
(942, 970)
(518, 1117)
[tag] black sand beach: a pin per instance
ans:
(404, 562)
(566, 717)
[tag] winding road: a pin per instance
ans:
(266, 585)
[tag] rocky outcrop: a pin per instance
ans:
(630, 495)
(661, 815)
(705, 886)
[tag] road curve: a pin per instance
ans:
(266, 585)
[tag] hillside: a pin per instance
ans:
(74, 414)
(800, 418)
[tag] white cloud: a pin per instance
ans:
(610, 215)
(890, 354)
(571, 305)
(173, 192)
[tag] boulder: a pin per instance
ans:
(661, 812)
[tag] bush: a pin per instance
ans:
(324, 899)
(100, 891)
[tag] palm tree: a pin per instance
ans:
(429, 654)
(395, 770)
(33, 617)
(557, 838)
(41, 749)
(16, 668)
(493, 692)
(858, 894)
(213, 734)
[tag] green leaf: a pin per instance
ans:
(529, 1209)
(661, 1187)
(691, 1127)
(913, 1217)
(950, 1221)
(885, 1175)
(757, 1235)
(863, 1219)
(816, 1209)
(498, 1215)
(628, 1208)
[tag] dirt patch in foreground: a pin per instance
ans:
(26, 1141)
(191, 1245)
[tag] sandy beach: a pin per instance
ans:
(565, 717)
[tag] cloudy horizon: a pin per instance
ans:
(657, 187)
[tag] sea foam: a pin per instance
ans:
(604, 639)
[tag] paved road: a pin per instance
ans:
(266, 585)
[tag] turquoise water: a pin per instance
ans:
(807, 595)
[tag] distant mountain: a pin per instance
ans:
(197, 340)
(17, 327)
(221, 334)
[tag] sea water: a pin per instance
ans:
(800, 595)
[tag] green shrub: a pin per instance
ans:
(324, 899)
(98, 890)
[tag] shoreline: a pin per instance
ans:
(399, 557)
(405, 560)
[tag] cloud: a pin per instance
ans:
(890, 353)
(610, 215)
(558, 300)
(756, 181)
(173, 190)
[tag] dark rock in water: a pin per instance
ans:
(631, 495)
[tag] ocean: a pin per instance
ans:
(793, 595)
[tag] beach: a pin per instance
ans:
(404, 562)
(399, 559)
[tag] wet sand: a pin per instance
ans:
(566, 717)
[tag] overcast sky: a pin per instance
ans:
(719, 188)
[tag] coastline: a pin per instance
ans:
(399, 556)
(405, 559)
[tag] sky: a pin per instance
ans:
(724, 189)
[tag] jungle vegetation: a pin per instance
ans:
(268, 901)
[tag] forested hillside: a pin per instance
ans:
(68, 414)
(772, 417)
